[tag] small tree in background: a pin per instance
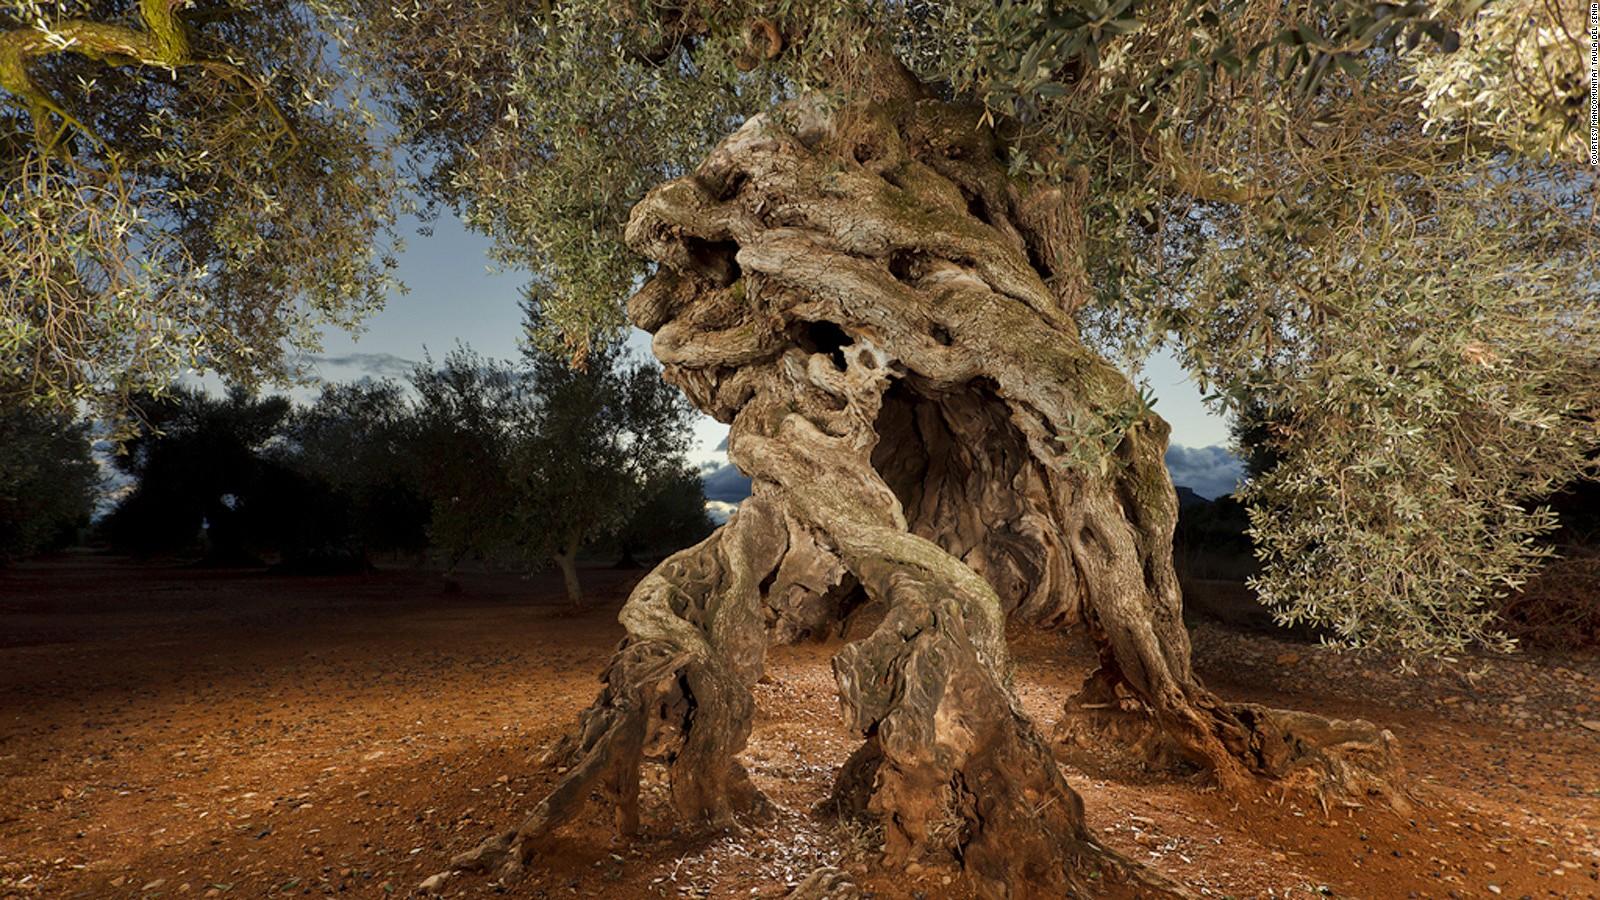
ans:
(198, 462)
(598, 438)
(47, 479)
(467, 410)
(671, 513)
(360, 440)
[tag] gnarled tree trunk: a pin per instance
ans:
(884, 317)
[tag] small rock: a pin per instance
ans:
(1287, 659)
(1494, 888)
(1591, 724)
(434, 883)
(154, 884)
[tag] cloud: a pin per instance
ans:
(725, 484)
(378, 365)
(720, 511)
(1211, 471)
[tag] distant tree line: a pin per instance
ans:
(516, 464)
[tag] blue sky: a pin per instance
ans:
(455, 298)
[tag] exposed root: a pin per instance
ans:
(607, 756)
(826, 883)
(1348, 763)
(677, 691)
(1339, 763)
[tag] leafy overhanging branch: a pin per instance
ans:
(162, 42)
(194, 185)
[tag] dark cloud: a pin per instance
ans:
(1211, 471)
(378, 365)
(725, 484)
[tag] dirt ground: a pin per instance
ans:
(168, 732)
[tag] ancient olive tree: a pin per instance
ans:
(897, 248)
(183, 183)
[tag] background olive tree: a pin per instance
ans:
(202, 479)
(601, 444)
(468, 410)
(48, 480)
(361, 440)
(529, 463)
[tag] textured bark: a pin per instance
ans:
(566, 560)
(883, 316)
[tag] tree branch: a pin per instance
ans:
(162, 42)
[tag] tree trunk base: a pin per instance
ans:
(676, 692)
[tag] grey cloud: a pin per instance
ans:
(726, 484)
(379, 365)
(1211, 472)
(719, 511)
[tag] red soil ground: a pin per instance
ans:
(168, 732)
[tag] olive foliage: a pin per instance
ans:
(183, 184)
(48, 480)
(1373, 214)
